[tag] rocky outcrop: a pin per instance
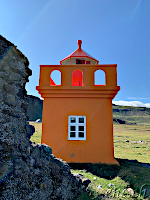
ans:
(27, 170)
(34, 108)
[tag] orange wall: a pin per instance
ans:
(94, 102)
(98, 146)
(88, 74)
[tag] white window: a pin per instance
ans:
(77, 128)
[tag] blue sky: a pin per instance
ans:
(112, 31)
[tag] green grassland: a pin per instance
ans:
(36, 137)
(132, 150)
(132, 142)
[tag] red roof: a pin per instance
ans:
(79, 53)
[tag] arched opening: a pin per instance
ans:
(99, 78)
(55, 78)
(77, 78)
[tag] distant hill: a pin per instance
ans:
(131, 115)
(121, 114)
(35, 108)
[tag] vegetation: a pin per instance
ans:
(132, 150)
(132, 142)
(132, 115)
(36, 137)
(101, 188)
(113, 180)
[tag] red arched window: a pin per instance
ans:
(55, 78)
(77, 78)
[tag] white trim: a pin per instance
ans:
(75, 125)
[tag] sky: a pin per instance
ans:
(112, 31)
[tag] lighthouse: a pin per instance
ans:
(77, 120)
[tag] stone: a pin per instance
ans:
(30, 130)
(34, 108)
(46, 148)
(111, 184)
(81, 179)
(27, 170)
(2, 82)
(130, 191)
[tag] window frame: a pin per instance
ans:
(76, 124)
(80, 62)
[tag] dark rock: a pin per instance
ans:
(27, 170)
(34, 108)
(82, 180)
(30, 130)
(46, 148)
(119, 121)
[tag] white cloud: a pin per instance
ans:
(131, 103)
(147, 105)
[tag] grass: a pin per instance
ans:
(130, 173)
(132, 150)
(36, 137)
(99, 188)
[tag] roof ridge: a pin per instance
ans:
(79, 53)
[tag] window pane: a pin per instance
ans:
(73, 120)
(81, 134)
(81, 128)
(72, 128)
(80, 61)
(81, 120)
(72, 134)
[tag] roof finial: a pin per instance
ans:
(79, 42)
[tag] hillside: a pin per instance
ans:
(121, 114)
(131, 115)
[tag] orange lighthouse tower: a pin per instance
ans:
(77, 112)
